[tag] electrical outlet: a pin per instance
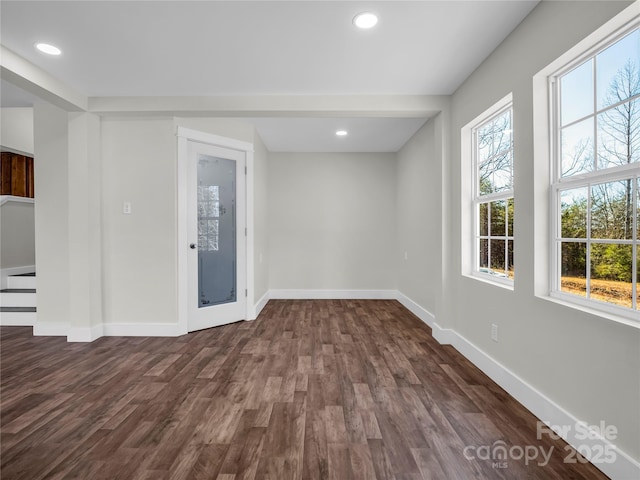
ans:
(126, 208)
(406, 256)
(494, 332)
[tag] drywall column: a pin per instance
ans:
(85, 228)
(51, 219)
(445, 297)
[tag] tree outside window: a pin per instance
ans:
(493, 199)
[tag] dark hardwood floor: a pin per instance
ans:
(324, 389)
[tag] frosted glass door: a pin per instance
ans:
(215, 246)
(217, 255)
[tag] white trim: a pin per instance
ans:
(12, 198)
(85, 334)
(420, 312)
(318, 294)
(7, 272)
(142, 330)
(610, 312)
(261, 304)
(49, 329)
(211, 139)
(18, 319)
(470, 196)
(444, 336)
(184, 136)
(624, 467)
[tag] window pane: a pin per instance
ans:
(503, 172)
(611, 273)
(612, 210)
(638, 210)
(495, 173)
(573, 211)
(577, 148)
(510, 210)
(498, 257)
(617, 70)
(484, 254)
(573, 268)
(495, 155)
(619, 135)
(498, 218)
(510, 265)
(484, 219)
(576, 92)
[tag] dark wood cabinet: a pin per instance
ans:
(16, 175)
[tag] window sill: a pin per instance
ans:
(506, 284)
(591, 310)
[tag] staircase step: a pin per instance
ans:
(18, 316)
(18, 297)
(26, 280)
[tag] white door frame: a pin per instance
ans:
(186, 135)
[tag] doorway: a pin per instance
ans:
(212, 234)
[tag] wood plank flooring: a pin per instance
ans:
(322, 389)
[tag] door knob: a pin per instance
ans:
(192, 246)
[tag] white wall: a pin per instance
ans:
(139, 165)
(419, 194)
(139, 250)
(16, 131)
(586, 364)
(332, 221)
(17, 235)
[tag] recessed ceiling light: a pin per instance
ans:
(341, 133)
(365, 20)
(48, 49)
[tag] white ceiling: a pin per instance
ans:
(243, 48)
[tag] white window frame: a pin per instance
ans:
(471, 197)
(559, 183)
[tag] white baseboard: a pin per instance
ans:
(261, 303)
(6, 272)
(624, 467)
(444, 336)
(423, 314)
(141, 330)
(85, 334)
(332, 294)
(48, 329)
